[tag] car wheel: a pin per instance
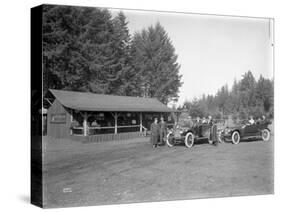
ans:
(265, 134)
(220, 137)
(235, 137)
(170, 140)
(189, 140)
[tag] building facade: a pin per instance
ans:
(98, 117)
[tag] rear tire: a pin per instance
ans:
(235, 137)
(265, 134)
(189, 140)
(169, 140)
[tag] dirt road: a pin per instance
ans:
(93, 174)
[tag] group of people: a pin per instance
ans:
(204, 120)
(260, 120)
(158, 132)
(198, 121)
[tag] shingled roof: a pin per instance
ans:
(99, 102)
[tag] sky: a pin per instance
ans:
(212, 50)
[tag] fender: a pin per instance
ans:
(192, 131)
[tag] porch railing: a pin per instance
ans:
(106, 130)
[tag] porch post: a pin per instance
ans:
(140, 121)
(85, 127)
(115, 125)
(71, 120)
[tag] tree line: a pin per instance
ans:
(87, 49)
(247, 97)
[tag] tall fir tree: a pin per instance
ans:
(121, 43)
(154, 64)
(247, 97)
(83, 48)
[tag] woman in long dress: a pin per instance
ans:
(154, 129)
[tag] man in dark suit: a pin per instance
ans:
(162, 130)
(213, 131)
(154, 129)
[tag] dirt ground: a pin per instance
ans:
(131, 171)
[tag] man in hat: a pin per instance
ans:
(154, 129)
(210, 120)
(251, 120)
(213, 131)
(197, 124)
(263, 119)
(204, 120)
(162, 130)
(189, 122)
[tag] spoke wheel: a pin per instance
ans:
(189, 140)
(265, 135)
(170, 141)
(235, 138)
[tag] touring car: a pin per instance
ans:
(245, 131)
(189, 135)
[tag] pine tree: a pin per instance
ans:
(121, 43)
(247, 97)
(81, 49)
(154, 63)
(247, 90)
(264, 94)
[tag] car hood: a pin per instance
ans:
(181, 129)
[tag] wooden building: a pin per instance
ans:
(98, 117)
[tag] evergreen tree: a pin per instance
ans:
(197, 109)
(264, 94)
(83, 49)
(247, 97)
(121, 43)
(247, 90)
(154, 64)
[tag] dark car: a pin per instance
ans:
(245, 131)
(189, 135)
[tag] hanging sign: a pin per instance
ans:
(58, 118)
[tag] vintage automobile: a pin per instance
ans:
(189, 135)
(245, 131)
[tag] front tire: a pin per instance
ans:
(265, 134)
(189, 140)
(170, 140)
(235, 137)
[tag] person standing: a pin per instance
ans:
(204, 121)
(213, 131)
(162, 130)
(189, 122)
(154, 129)
(210, 120)
(198, 120)
(197, 125)
(251, 120)
(263, 119)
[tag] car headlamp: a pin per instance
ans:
(227, 131)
